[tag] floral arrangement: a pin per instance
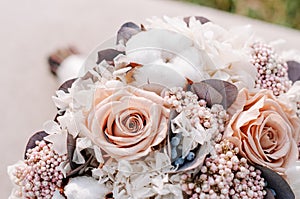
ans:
(178, 108)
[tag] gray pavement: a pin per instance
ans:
(31, 29)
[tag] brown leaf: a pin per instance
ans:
(71, 145)
(130, 74)
(269, 194)
(66, 85)
(80, 169)
(227, 90)
(38, 136)
(293, 70)
(108, 55)
(203, 20)
(277, 183)
(126, 31)
(89, 156)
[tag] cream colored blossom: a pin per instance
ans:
(265, 129)
(126, 122)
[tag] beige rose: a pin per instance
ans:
(265, 129)
(127, 122)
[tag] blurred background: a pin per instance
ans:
(31, 30)
(282, 12)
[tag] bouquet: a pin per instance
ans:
(177, 108)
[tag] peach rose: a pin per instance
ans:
(126, 122)
(265, 129)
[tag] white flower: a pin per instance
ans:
(292, 96)
(57, 137)
(62, 100)
(85, 143)
(291, 55)
(162, 60)
(192, 135)
(84, 187)
(146, 178)
(224, 53)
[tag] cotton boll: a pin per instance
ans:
(85, 188)
(161, 57)
(158, 74)
(70, 68)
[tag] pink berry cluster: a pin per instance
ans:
(224, 175)
(41, 176)
(272, 71)
(195, 109)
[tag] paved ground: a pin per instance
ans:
(31, 29)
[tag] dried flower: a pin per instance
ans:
(265, 129)
(40, 175)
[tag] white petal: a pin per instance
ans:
(85, 188)
(59, 141)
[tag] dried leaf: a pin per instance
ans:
(277, 183)
(39, 136)
(228, 91)
(71, 145)
(80, 169)
(207, 92)
(89, 156)
(293, 70)
(66, 85)
(269, 194)
(173, 114)
(108, 55)
(126, 31)
(203, 20)
(130, 74)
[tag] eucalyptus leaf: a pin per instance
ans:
(66, 85)
(228, 91)
(203, 20)
(71, 145)
(172, 115)
(38, 136)
(80, 169)
(293, 70)
(207, 92)
(108, 55)
(89, 156)
(126, 31)
(277, 183)
(269, 194)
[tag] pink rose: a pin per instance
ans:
(127, 122)
(265, 129)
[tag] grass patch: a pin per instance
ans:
(282, 12)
